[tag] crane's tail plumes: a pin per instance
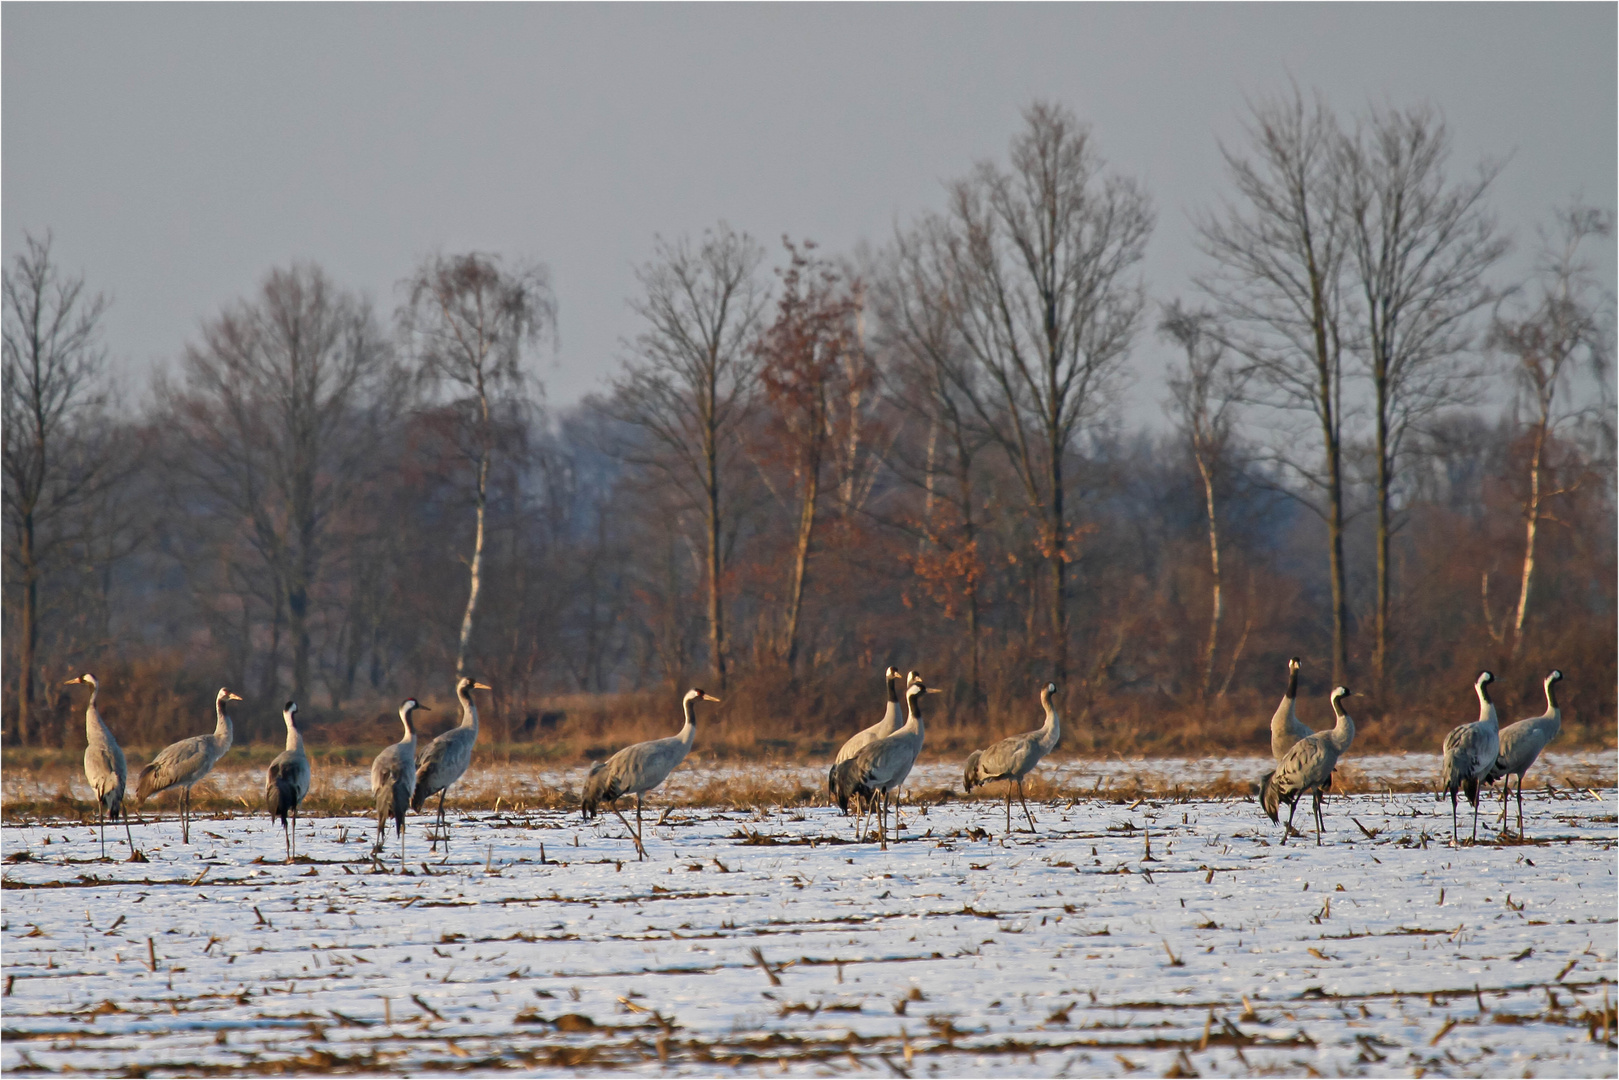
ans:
(422, 792)
(147, 783)
(598, 790)
(388, 806)
(113, 803)
(280, 797)
(1270, 796)
(969, 775)
(1470, 786)
(843, 783)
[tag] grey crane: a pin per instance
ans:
(104, 766)
(1308, 767)
(1286, 729)
(881, 766)
(188, 761)
(1015, 757)
(393, 776)
(1521, 744)
(1470, 751)
(883, 728)
(287, 781)
(893, 795)
(447, 758)
(636, 770)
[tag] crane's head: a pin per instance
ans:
(1293, 664)
(87, 679)
(1484, 679)
(1342, 692)
(466, 684)
(226, 695)
(913, 678)
(695, 694)
(1048, 690)
(891, 673)
(1555, 676)
(289, 711)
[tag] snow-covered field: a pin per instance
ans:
(1126, 938)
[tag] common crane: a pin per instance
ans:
(1308, 767)
(1013, 758)
(287, 781)
(447, 758)
(1470, 751)
(188, 761)
(883, 728)
(881, 766)
(393, 775)
(1286, 728)
(1521, 744)
(637, 769)
(104, 766)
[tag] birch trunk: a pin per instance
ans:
(1217, 607)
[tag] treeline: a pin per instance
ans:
(1378, 455)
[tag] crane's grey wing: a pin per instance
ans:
(1010, 757)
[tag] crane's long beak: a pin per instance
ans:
(233, 697)
(482, 686)
(932, 690)
(711, 697)
(70, 682)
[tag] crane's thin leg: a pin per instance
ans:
(124, 814)
(401, 847)
(640, 852)
(1475, 821)
(185, 815)
(1009, 808)
(882, 821)
(1025, 803)
(1318, 799)
(1454, 828)
(1520, 806)
(294, 830)
(1292, 808)
(101, 819)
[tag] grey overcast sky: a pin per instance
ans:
(178, 152)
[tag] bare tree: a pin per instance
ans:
(1564, 324)
(688, 383)
(1044, 301)
(1279, 249)
(1419, 247)
(53, 461)
(469, 322)
(813, 387)
(280, 418)
(932, 377)
(1203, 395)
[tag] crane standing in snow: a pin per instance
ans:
(287, 780)
(188, 761)
(638, 769)
(104, 766)
(393, 777)
(447, 758)
(1013, 758)
(1470, 751)
(1308, 767)
(1521, 744)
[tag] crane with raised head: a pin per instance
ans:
(883, 728)
(1308, 766)
(1286, 728)
(1470, 752)
(184, 763)
(447, 757)
(636, 770)
(287, 781)
(1521, 744)
(881, 766)
(104, 766)
(393, 777)
(1013, 758)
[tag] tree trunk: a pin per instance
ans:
(716, 611)
(806, 529)
(1059, 568)
(1217, 606)
(1385, 477)
(1335, 538)
(29, 633)
(477, 568)
(1531, 529)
